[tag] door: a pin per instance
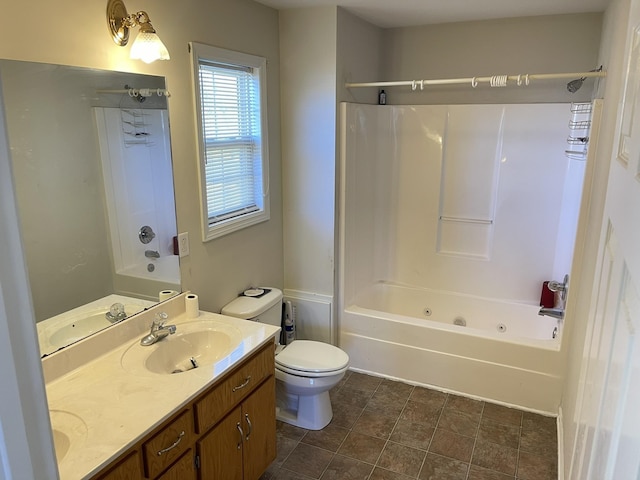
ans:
(608, 438)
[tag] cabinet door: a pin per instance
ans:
(259, 426)
(220, 450)
(183, 469)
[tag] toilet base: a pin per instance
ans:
(312, 412)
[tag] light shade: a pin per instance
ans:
(148, 47)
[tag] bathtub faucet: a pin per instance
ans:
(552, 312)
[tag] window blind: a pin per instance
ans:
(230, 106)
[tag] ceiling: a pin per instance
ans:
(404, 13)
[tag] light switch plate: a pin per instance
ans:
(183, 244)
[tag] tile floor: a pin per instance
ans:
(385, 430)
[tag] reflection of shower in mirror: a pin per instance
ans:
(136, 165)
(60, 193)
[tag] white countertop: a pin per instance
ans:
(105, 409)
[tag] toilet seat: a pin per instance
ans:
(308, 358)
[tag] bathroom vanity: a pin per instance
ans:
(119, 415)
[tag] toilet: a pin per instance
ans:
(305, 370)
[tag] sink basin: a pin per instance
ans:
(193, 346)
(69, 432)
(86, 325)
(62, 443)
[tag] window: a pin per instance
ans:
(230, 97)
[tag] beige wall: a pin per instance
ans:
(59, 187)
(321, 49)
(359, 56)
(75, 33)
(308, 76)
(546, 44)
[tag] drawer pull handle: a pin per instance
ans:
(242, 385)
(246, 417)
(241, 434)
(176, 443)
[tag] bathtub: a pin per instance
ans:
(484, 348)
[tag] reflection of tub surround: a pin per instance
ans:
(158, 330)
(142, 226)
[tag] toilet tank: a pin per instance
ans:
(265, 307)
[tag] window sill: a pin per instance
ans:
(211, 232)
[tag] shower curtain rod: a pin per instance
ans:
(494, 81)
(140, 92)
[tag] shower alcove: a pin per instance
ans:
(451, 219)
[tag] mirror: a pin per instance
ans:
(91, 161)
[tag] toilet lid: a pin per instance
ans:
(310, 356)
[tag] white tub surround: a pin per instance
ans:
(109, 408)
(464, 211)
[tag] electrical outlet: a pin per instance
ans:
(183, 244)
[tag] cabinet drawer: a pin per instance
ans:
(215, 405)
(127, 469)
(168, 444)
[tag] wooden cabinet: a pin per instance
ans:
(215, 404)
(228, 432)
(241, 446)
(183, 469)
(125, 468)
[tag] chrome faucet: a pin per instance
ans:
(116, 313)
(552, 312)
(152, 254)
(158, 330)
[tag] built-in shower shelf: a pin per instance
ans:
(136, 128)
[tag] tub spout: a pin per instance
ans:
(552, 312)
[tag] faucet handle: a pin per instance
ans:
(560, 287)
(160, 319)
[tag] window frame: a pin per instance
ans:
(211, 54)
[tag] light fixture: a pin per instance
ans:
(147, 46)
